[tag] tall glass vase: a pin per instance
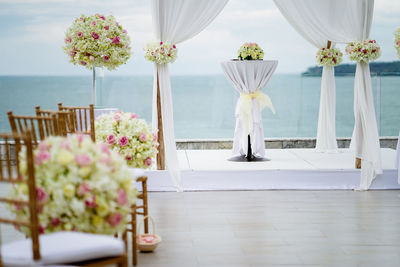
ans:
(98, 94)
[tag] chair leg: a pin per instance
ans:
(145, 206)
(133, 226)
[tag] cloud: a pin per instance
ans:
(39, 25)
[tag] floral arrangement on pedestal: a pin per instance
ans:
(365, 51)
(397, 41)
(128, 135)
(97, 41)
(329, 57)
(81, 186)
(160, 52)
(250, 51)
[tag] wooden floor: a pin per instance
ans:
(273, 228)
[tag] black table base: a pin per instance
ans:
(249, 156)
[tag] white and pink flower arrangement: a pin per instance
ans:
(397, 41)
(364, 51)
(329, 57)
(160, 52)
(250, 51)
(97, 41)
(80, 186)
(128, 135)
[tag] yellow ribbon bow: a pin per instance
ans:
(246, 106)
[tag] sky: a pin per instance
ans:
(32, 33)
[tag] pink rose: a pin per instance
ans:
(111, 139)
(83, 160)
(83, 189)
(41, 157)
(83, 63)
(121, 197)
(154, 137)
(91, 203)
(94, 23)
(106, 58)
(87, 54)
(72, 53)
(55, 221)
(142, 137)
(41, 195)
(104, 148)
(173, 46)
(68, 39)
(134, 116)
(398, 42)
(161, 43)
(115, 40)
(148, 161)
(129, 157)
(114, 219)
(80, 34)
(91, 58)
(123, 141)
(101, 16)
(80, 137)
(107, 27)
(95, 36)
(124, 31)
(44, 147)
(117, 118)
(65, 145)
(41, 229)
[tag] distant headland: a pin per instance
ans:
(378, 68)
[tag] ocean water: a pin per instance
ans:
(204, 105)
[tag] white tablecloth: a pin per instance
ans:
(248, 78)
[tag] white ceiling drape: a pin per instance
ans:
(176, 21)
(342, 21)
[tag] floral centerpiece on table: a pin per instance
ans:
(97, 41)
(250, 51)
(365, 51)
(160, 52)
(128, 135)
(81, 186)
(397, 41)
(329, 57)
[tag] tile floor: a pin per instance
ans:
(273, 228)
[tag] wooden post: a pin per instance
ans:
(329, 44)
(358, 163)
(161, 149)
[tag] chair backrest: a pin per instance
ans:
(65, 120)
(83, 119)
(40, 127)
(9, 173)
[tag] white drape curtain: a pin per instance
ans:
(343, 21)
(306, 18)
(176, 21)
(248, 77)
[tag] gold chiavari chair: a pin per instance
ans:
(62, 248)
(64, 120)
(83, 119)
(39, 127)
(136, 211)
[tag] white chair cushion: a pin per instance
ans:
(62, 247)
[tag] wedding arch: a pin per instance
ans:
(323, 23)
